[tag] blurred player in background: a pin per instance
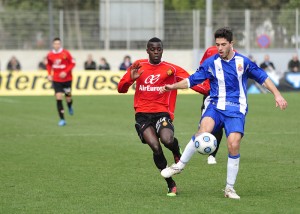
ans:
(228, 73)
(59, 67)
(154, 112)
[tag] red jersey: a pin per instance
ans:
(147, 98)
(208, 53)
(60, 61)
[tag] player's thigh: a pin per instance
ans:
(234, 125)
(207, 124)
(58, 90)
(149, 134)
(164, 127)
(234, 129)
(211, 121)
(59, 95)
(150, 137)
(145, 128)
(67, 89)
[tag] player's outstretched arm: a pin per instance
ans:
(179, 85)
(280, 101)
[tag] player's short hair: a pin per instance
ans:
(56, 39)
(154, 39)
(224, 32)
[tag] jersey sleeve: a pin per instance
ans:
(71, 62)
(183, 74)
(256, 73)
(198, 77)
(125, 82)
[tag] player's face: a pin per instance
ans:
(155, 51)
(225, 48)
(56, 45)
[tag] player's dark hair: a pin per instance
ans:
(56, 39)
(224, 32)
(154, 39)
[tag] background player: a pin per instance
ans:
(228, 73)
(154, 112)
(211, 159)
(59, 67)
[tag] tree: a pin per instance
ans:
(226, 4)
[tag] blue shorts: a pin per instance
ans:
(234, 123)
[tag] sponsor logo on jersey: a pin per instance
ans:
(57, 64)
(151, 79)
(148, 88)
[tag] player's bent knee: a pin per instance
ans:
(167, 140)
(234, 147)
(156, 149)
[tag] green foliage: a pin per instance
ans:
(34, 5)
(96, 163)
(292, 4)
(288, 19)
(184, 5)
(226, 4)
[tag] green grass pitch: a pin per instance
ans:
(96, 163)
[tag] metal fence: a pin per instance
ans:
(253, 29)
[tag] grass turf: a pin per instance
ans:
(96, 163)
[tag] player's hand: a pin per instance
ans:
(165, 88)
(135, 71)
(62, 75)
(50, 78)
(281, 102)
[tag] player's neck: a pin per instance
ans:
(229, 56)
(154, 63)
(57, 51)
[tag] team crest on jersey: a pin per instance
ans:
(64, 56)
(165, 123)
(169, 72)
(240, 67)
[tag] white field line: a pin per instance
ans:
(131, 134)
(7, 100)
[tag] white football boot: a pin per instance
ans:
(211, 160)
(230, 193)
(170, 171)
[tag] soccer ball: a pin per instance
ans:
(205, 143)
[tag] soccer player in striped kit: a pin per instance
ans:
(228, 72)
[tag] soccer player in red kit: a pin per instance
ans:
(59, 67)
(154, 112)
(218, 134)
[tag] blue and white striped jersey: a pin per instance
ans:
(228, 81)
